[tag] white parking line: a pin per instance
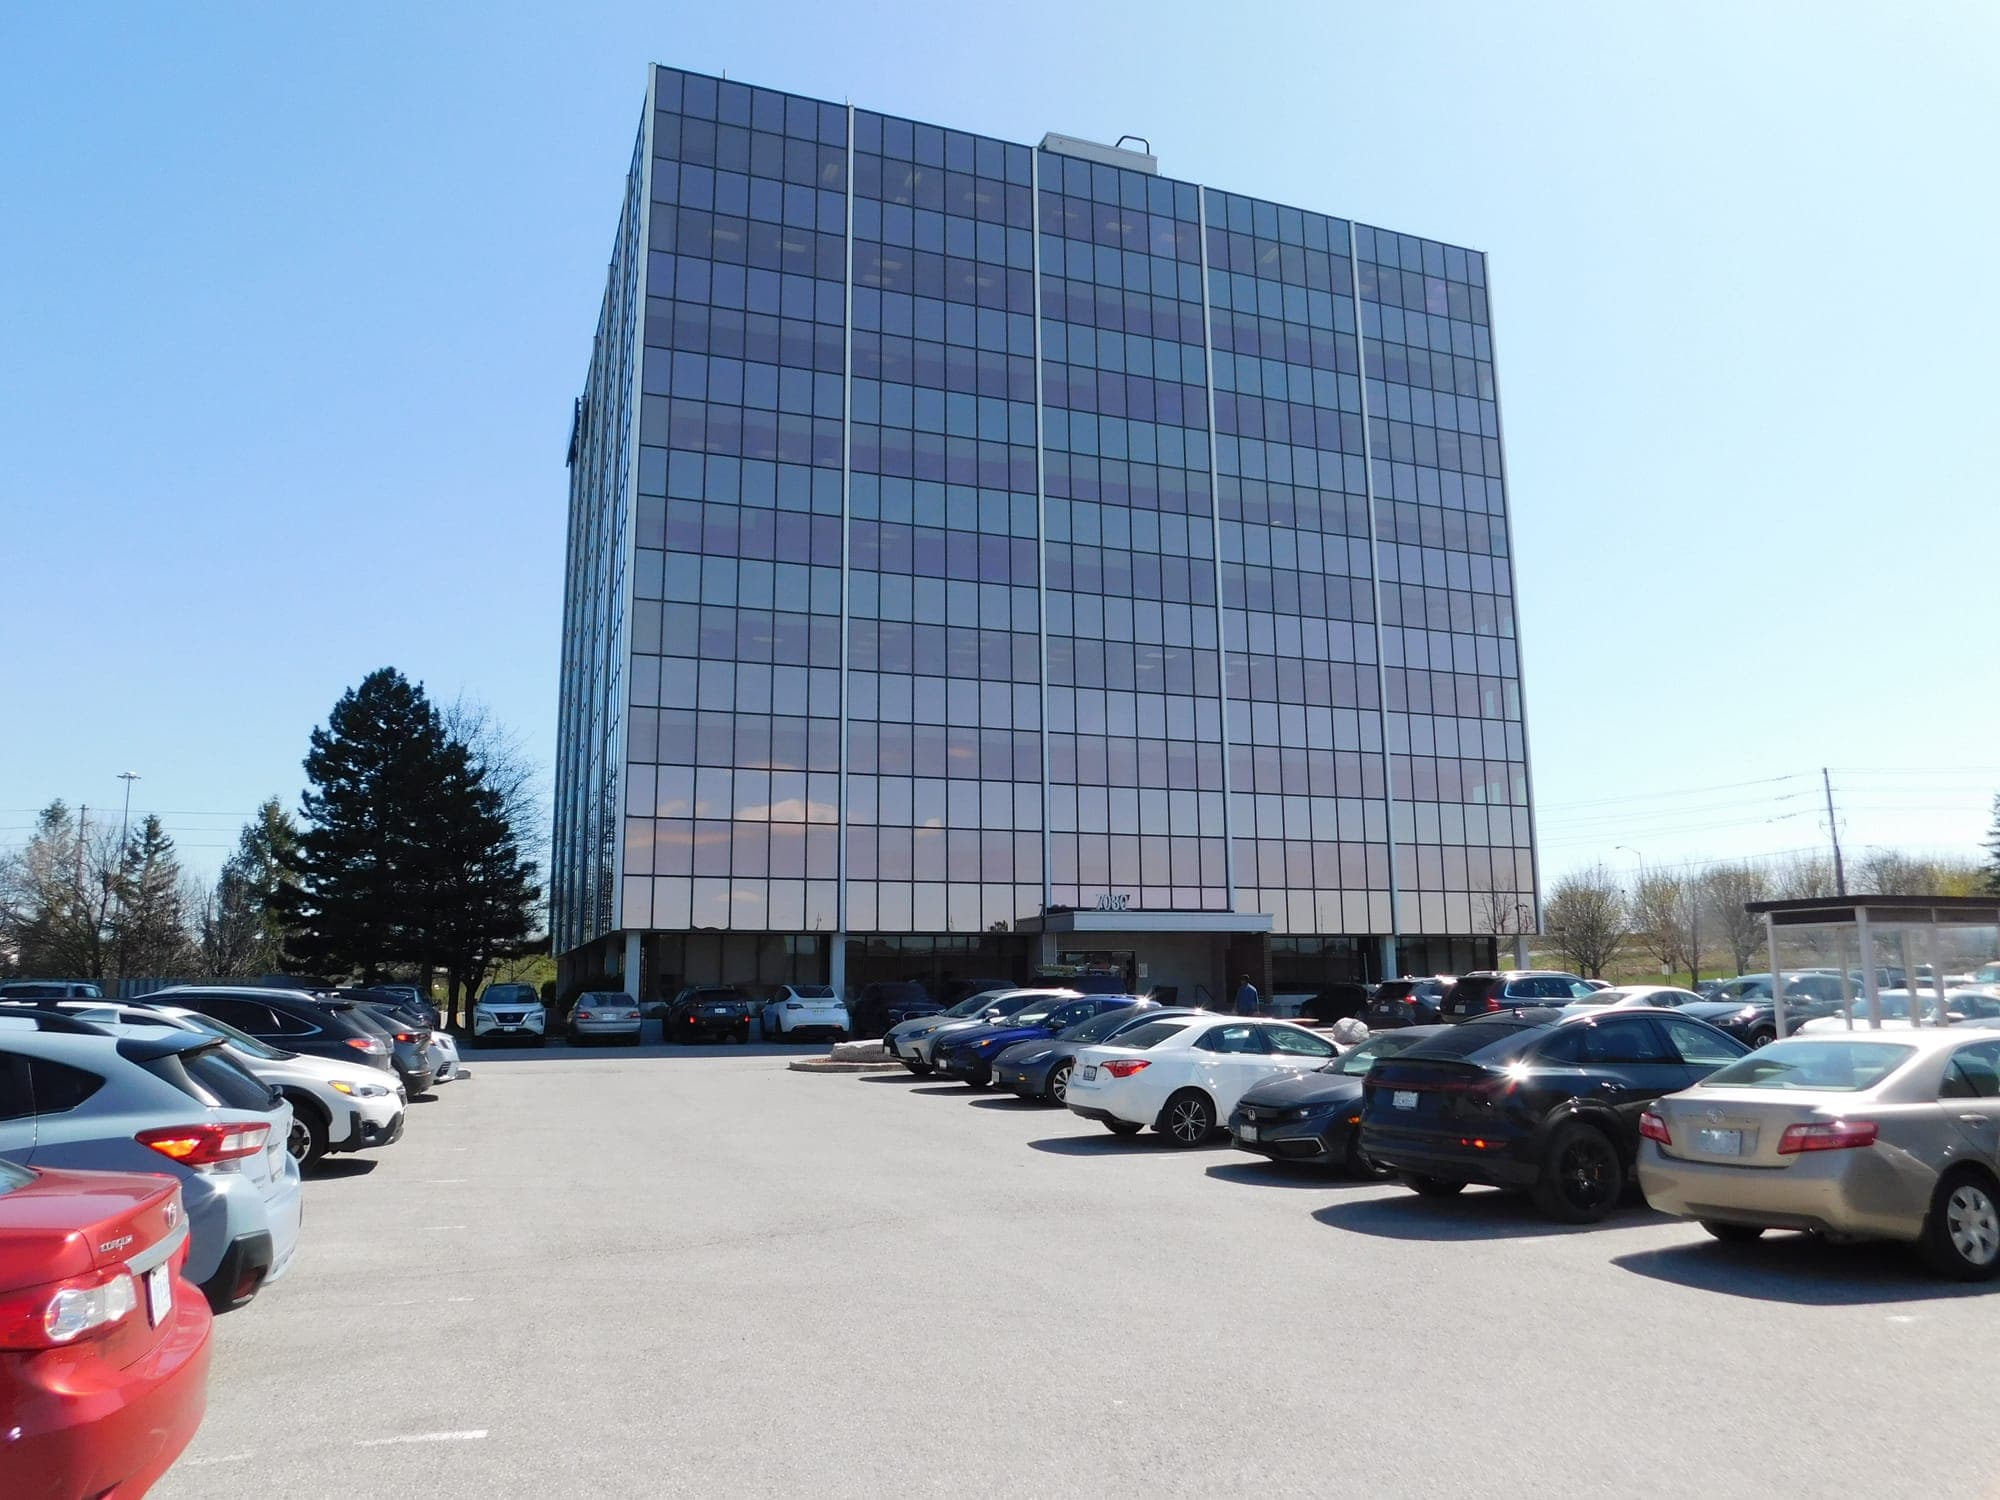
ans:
(422, 1437)
(440, 1181)
(436, 1228)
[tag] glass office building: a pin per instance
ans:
(988, 559)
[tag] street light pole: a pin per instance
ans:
(125, 818)
(1628, 849)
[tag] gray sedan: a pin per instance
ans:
(605, 1016)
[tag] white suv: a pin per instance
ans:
(510, 1012)
(796, 1010)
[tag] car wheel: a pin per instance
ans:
(742, 1038)
(1121, 1127)
(1433, 1187)
(1188, 1119)
(1059, 1083)
(1763, 1036)
(979, 1076)
(1962, 1231)
(1732, 1234)
(917, 1066)
(306, 1143)
(1582, 1176)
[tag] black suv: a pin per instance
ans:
(288, 1019)
(882, 1004)
(1407, 1002)
(709, 1012)
(1534, 1101)
(1503, 989)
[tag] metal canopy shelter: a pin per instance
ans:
(1964, 929)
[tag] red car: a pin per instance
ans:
(103, 1343)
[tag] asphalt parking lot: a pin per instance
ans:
(693, 1272)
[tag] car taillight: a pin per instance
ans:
(584, 1015)
(1837, 1135)
(50, 1317)
(1492, 1002)
(1653, 1128)
(1125, 1067)
(408, 1036)
(793, 1005)
(631, 1015)
(199, 1145)
(374, 1046)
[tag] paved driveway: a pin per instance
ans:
(691, 1272)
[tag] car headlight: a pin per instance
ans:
(359, 1090)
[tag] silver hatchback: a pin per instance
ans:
(75, 1094)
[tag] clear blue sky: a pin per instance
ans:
(296, 302)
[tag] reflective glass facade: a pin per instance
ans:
(960, 529)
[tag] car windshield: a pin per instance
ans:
(1603, 997)
(972, 1005)
(1840, 1067)
(509, 994)
(1012, 1005)
(242, 1041)
(1100, 1025)
(1033, 1015)
(1363, 1057)
(1470, 1037)
(1150, 1034)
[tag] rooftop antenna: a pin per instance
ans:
(1120, 142)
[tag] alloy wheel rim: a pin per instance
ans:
(1586, 1182)
(1186, 1123)
(1059, 1084)
(1974, 1225)
(299, 1140)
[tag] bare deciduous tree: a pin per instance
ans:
(1585, 919)
(1725, 890)
(1666, 913)
(58, 895)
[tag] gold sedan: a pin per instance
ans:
(1879, 1135)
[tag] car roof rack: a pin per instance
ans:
(53, 1020)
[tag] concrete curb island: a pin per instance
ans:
(847, 1057)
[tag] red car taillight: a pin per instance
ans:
(1125, 1067)
(200, 1145)
(1653, 1128)
(51, 1316)
(584, 1015)
(1837, 1135)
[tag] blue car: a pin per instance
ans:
(1040, 1068)
(969, 1055)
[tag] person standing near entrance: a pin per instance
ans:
(1247, 1003)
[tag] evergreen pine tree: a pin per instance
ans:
(149, 924)
(242, 932)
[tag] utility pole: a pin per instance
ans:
(1833, 828)
(82, 834)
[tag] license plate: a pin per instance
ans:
(1246, 1133)
(1090, 1073)
(159, 1294)
(1404, 1099)
(1719, 1142)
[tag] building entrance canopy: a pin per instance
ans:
(1917, 944)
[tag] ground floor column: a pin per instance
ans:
(631, 973)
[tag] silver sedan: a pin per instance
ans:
(1882, 1135)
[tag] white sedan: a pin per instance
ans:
(1182, 1075)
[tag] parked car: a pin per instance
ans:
(954, 990)
(1976, 1008)
(886, 1002)
(409, 1044)
(1802, 991)
(796, 1010)
(913, 1042)
(75, 1094)
(289, 1019)
(1184, 1075)
(605, 1016)
(50, 989)
(1040, 1068)
(710, 1012)
(1635, 996)
(510, 1013)
(969, 1055)
(407, 1002)
(1314, 1117)
(1541, 1102)
(104, 1345)
(1894, 1138)
(1492, 990)
(336, 1106)
(1407, 1002)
